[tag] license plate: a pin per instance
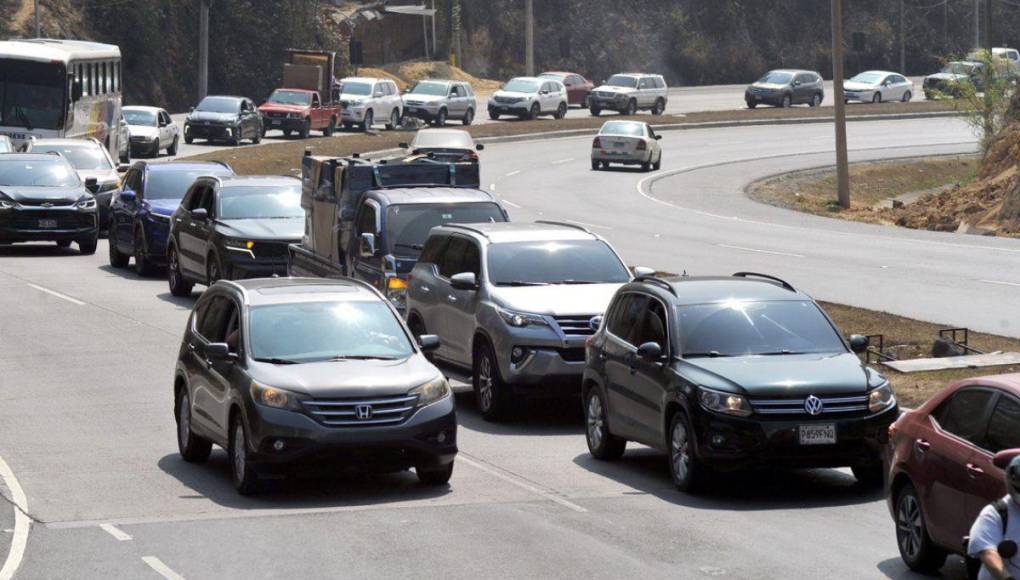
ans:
(818, 434)
(618, 145)
(413, 110)
(275, 122)
(47, 223)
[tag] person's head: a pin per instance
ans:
(1013, 479)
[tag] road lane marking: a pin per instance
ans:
(161, 568)
(562, 161)
(586, 224)
(774, 253)
(22, 523)
(57, 294)
(1000, 282)
(521, 483)
(512, 173)
(511, 204)
(115, 532)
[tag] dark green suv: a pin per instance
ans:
(732, 372)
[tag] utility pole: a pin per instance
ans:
(434, 28)
(977, 23)
(842, 168)
(529, 38)
(988, 26)
(38, 25)
(455, 25)
(903, 41)
(203, 49)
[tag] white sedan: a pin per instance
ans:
(151, 131)
(875, 86)
(626, 143)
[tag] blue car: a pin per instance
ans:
(140, 212)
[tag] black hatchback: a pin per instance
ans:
(732, 372)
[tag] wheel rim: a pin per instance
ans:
(817, 100)
(786, 101)
(906, 97)
(173, 268)
(596, 425)
(680, 452)
(485, 387)
(394, 120)
(139, 252)
(877, 98)
(214, 273)
(239, 458)
(470, 116)
(369, 118)
(909, 526)
(562, 110)
(535, 110)
(184, 421)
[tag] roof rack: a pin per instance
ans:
(658, 282)
(468, 228)
(780, 281)
(564, 224)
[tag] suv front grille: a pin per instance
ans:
(62, 220)
(576, 325)
(841, 405)
(507, 100)
(272, 250)
(350, 412)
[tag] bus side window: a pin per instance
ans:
(103, 79)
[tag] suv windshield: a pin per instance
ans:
(746, 328)
(521, 86)
(81, 157)
(561, 262)
(54, 172)
(776, 78)
(622, 81)
(357, 89)
(260, 202)
(306, 332)
(409, 224)
(219, 105)
(430, 88)
(169, 183)
(135, 117)
(290, 98)
(958, 68)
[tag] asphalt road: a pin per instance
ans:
(86, 410)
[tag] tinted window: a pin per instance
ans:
(32, 94)
(167, 183)
(653, 324)
(260, 202)
(644, 84)
(742, 328)
(963, 415)
(212, 325)
(408, 225)
(660, 83)
(625, 319)
(622, 81)
(133, 180)
(317, 331)
(452, 260)
(367, 220)
(1004, 425)
(85, 157)
(433, 249)
(219, 105)
(55, 172)
(562, 262)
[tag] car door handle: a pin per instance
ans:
(425, 289)
(922, 445)
(451, 297)
(974, 470)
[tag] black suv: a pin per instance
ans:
(732, 372)
(309, 374)
(223, 118)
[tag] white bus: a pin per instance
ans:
(60, 88)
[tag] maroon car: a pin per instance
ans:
(941, 471)
(578, 87)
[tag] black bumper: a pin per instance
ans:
(240, 266)
(47, 225)
(310, 446)
(755, 442)
(218, 132)
(283, 124)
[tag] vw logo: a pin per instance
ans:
(363, 412)
(47, 204)
(813, 405)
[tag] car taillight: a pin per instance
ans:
(641, 146)
(596, 144)
(472, 156)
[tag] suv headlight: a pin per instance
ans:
(275, 398)
(7, 204)
(521, 319)
(243, 246)
(726, 403)
(293, 115)
(87, 203)
(431, 392)
(396, 291)
(881, 398)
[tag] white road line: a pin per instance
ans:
(161, 568)
(115, 532)
(588, 225)
(57, 294)
(1000, 282)
(511, 204)
(21, 522)
(512, 173)
(760, 251)
(562, 161)
(521, 484)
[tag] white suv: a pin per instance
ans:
(529, 97)
(629, 93)
(363, 100)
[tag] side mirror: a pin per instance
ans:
(217, 351)
(128, 196)
(643, 271)
(404, 145)
(649, 351)
(544, 93)
(91, 184)
(428, 342)
(464, 281)
(377, 94)
(1002, 458)
(1007, 549)
(859, 343)
(201, 214)
(123, 168)
(366, 245)
(480, 147)
(191, 109)
(76, 91)
(796, 83)
(658, 137)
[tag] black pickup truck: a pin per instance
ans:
(369, 220)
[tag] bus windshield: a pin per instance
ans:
(31, 94)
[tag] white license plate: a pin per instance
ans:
(47, 223)
(413, 110)
(276, 122)
(824, 434)
(618, 144)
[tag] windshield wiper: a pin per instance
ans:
(521, 283)
(711, 353)
(418, 247)
(779, 352)
(578, 282)
(20, 114)
(361, 357)
(278, 361)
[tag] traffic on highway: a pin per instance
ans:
(589, 348)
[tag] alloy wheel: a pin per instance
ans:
(596, 423)
(485, 383)
(680, 457)
(909, 526)
(238, 450)
(184, 421)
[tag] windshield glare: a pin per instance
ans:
(622, 81)
(319, 331)
(867, 78)
(81, 157)
(145, 118)
(409, 224)
(443, 140)
(54, 172)
(260, 202)
(290, 98)
(173, 184)
(32, 94)
(431, 89)
(623, 128)
(776, 78)
(356, 89)
(219, 105)
(555, 262)
(745, 328)
(6, 146)
(958, 68)
(521, 86)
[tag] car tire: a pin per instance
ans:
(64, 243)
(602, 444)
(491, 393)
(242, 472)
(117, 259)
(394, 120)
(193, 449)
(816, 100)
(906, 97)
(787, 101)
(658, 163)
(306, 129)
(213, 270)
(493, 115)
(330, 128)
(659, 107)
(534, 112)
(631, 109)
(188, 139)
(917, 549)
(179, 285)
(172, 149)
(561, 111)
(687, 472)
(646, 166)
(257, 137)
(595, 165)
(87, 246)
(751, 104)
(870, 474)
(595, 111)
(440, 120)
(469, 117)
(585, 101)
(143, 267)
(286, 133)
(440, 476)
(126, 156)
(366, 125)
(876, 98)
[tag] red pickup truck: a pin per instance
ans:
(306, 101)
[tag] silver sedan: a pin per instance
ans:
(626, 143)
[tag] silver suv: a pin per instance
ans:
(629, 93)
(436, 101)
(514, 303)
